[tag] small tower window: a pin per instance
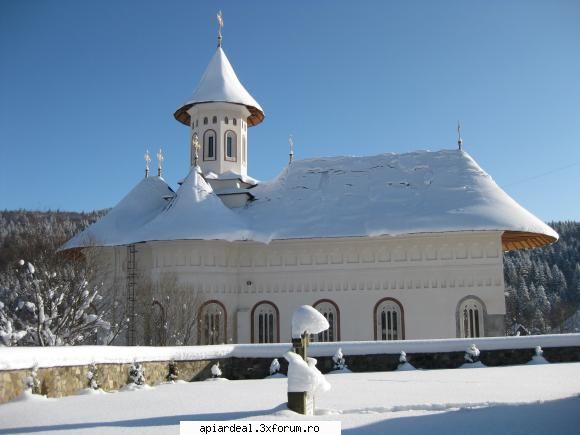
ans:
(205, 121)
(214, 120)
(235, 121)
(209, 145)
(230, 145)
(226, 120)
(196, 122)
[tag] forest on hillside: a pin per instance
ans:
(542, 285)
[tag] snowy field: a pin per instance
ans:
(540, 399)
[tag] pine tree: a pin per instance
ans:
(172, 372)
(137, 374)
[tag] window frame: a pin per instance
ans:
(202, 325)
(475, 320)
(213, 134)
(324, 337)
(400, 322)
(234, 157)
(255, 322)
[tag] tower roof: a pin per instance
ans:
(219, 83)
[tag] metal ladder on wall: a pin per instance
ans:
(131, 283)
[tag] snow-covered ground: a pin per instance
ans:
(532, 399)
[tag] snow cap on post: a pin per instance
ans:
(308, 320)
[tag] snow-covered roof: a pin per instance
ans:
(143, 203)
(229, 175)
(389, 194)
(383, 195)
(219, 83)
(195, 213)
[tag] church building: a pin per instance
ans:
(386, 247)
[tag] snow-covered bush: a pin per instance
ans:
(403, 363)
(274, 367)
(403, 357)
(31, 382)
(538, 358)
(52, 304)
(93, 377)
(338, 359)
(172, 372)
(215, 370)
(137, 374)
(472, 354)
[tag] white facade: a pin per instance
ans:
(428, 277)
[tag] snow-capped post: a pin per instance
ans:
(301, 380)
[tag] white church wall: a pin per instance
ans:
(427, 274)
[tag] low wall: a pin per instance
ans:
(63, 371)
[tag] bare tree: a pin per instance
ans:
(172, 313)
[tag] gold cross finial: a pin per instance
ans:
(220, 20)
(291, 142)
(160, 159)
(459, 139)
(147, 158)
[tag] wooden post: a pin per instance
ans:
(301, 402)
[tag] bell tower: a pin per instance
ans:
(218, 115)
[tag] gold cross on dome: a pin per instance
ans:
(160, 159)
(220, 20)
(147, 158)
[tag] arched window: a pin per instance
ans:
(205, 121)
(389, 320)
(331, 312)
(470, 316)
(209, 145)
(226, 120)
(230, 145)
(265, 323)
(234, 121)
(212, 323)
(214, 119)
(197, 122)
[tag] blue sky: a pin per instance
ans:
(86, 87)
